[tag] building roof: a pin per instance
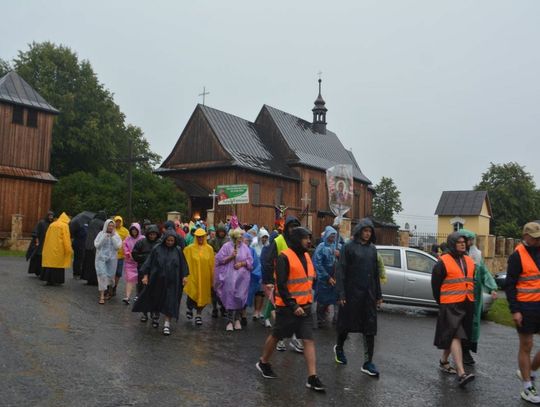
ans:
(24, 173)
(14, 89)
(462, 203)
(313, 149)
(241, 139)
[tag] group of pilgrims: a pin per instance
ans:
(280, 275)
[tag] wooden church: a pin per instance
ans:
(26, 123)
(282, 158)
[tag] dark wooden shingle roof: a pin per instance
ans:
(15, 90)
(462, 203)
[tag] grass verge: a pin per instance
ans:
(11, 253)
(500, 313)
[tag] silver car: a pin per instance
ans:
(408, 274)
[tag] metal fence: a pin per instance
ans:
(425, 241)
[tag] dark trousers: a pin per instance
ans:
(369, 344)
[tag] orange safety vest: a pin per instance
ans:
(528, 285)
(299, 284)
(457, 287)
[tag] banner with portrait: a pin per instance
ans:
(339, 179)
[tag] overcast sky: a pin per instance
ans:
(426, 92)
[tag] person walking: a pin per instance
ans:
(232, 276)
(254, 281)
(483, 281)
(294, 296)
(452, 283)
(57, 251)
(141, 251)
(280, 243)
(359, 294)
(89, 262)
(324, 261)
(107, 243)
(258, 291)
(123, 233)
(35, 249)
(200, 259)
(217, 243)
(522, 289)
(131, 274)
(165, 274)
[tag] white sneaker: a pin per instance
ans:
(229, 327)
(267, 323)
(237, 325)
(530, 395)
(297, 345)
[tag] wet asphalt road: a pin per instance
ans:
(59, 347)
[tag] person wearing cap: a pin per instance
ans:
(200, 260)
(452, 284)
(294, 296)
(522, 288)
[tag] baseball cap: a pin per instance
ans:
(532, 229)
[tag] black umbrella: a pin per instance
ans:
(79, 220)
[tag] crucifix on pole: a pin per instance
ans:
(306, 201)
(203, 94)
(213, 195)
(130, 160)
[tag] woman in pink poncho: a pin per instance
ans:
(130, 265)
(232, 276)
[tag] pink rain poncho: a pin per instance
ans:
(130, 265)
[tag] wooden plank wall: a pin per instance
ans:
(29, 198)
(22, 146)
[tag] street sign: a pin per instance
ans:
(232, 194)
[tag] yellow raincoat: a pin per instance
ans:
(57, 249)
(200, 259)
(123, 233)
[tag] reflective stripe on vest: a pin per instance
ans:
(299, 284)
(528, 285)
(457, 287)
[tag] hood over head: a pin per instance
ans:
(107, 222)
(166, 234)
(328, 231)
(469, 234)
(248, 236)
(199, 232)
(169, 225)
(236, 234)
(151, 228)
(118, 217)
(263, 232)
(289, 220)
(49, 213)
(211, 229)
(135, 225)
(452, 239)
(297, 234)
(362, 224)
(221, 227)
(273, 236)
(64, 218)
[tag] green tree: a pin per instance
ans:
(387, 201)
(91, 129)
(513, 196)
(5, 67)
(153, 196)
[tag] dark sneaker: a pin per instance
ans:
(465, 379)
(243, 321)
(166, 331)
(144, 317)
(189, 314)
(266, 370)
(370, 369)
(314, 383)
(214, 313)
(467, 358)
(530, 395)
(340, 355)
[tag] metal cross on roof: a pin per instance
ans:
(203, 94)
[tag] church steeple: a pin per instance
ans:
(319, 113)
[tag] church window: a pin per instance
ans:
(18, 113)
(31, 118)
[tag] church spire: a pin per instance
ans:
(319, 113)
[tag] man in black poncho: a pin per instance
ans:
(36, 245)
(165, 274)
(359, 293)
(89, 260)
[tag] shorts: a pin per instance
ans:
(287, 324)
(530, 323)
(119, 267)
